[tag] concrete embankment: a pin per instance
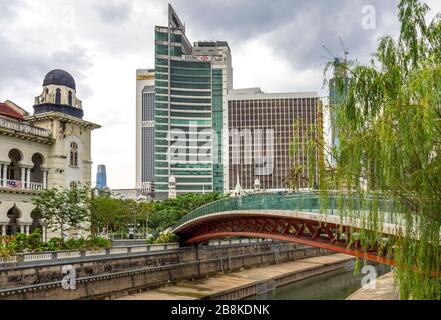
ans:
(246, 283)
(111, 277)
(384, 290)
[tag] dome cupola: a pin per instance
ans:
(59, 95)
(60, 78)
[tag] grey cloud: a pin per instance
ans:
(114, 12)
(9, 9)
(22, 71)
(295, 29)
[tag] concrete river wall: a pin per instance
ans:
(110, 277)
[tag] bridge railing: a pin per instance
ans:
(334, 204)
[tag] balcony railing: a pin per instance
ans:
(16, 184)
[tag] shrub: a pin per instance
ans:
(166, 237)
(22, 243)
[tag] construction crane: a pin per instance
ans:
(329, 51)
(345, 50)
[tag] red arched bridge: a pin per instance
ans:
(303, 218)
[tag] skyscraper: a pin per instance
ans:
(101, 177)
(145, 130)
(191, 82)
(262, 128)
(338, 87)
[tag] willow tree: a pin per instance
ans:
(389, 128)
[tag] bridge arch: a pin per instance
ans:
(298, 218)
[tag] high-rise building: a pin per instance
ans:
(264, 129)
(191, 83)
(338, 87)
(145, 130)
(101, 177)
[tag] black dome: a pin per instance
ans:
(59, 77)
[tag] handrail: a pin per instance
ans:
(303, 202)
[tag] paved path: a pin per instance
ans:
(192, 290)
(384, 290)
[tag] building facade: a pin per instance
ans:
(49, 149)
(145, 130)
(191, 83)
(268, 136)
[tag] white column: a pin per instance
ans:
(3, 230)
(43, 231)
(27, 227)
(28, 183)
(22, 229)
(5, 173)
(44, 179)
(23, 177)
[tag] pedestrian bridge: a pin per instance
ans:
(303, 218)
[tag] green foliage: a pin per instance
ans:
(59, 208)
(166, 237)
(167, 213)
(390, 138)
(116, 215)
(22, 243)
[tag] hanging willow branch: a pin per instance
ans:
(389, 132)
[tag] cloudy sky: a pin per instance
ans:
(276, 44)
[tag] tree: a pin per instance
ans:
(106, 213)
(65, 208)
(390, 138)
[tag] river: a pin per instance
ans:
(334, 285)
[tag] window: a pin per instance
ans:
(58, 96)
(69, 97)
(74, 154)
(73, 185)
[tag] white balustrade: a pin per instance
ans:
(36, 186)
(67, 255)
(37, 257)
(8, 259)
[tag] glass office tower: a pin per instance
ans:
(190, 84)
(338, 89)
(101, 177)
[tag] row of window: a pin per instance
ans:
(161, 36)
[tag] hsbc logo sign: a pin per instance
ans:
(196, 58)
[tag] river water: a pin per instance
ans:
(334, 285)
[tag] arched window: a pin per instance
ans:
(74, 154)
(73, 185)
(58, 96)
(69, 97)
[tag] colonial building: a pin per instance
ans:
(51, 148)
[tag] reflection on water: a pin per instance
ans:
(334, 285)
